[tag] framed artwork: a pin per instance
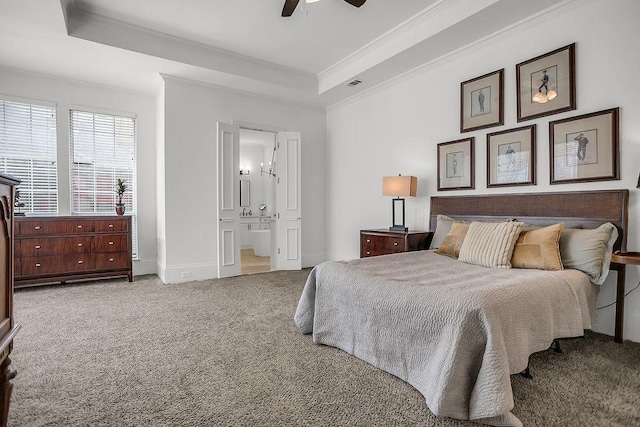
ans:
(455, 165)
(585, 148)
(547, 84)
(511, 157)
(481, 102)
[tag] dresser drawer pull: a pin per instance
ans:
(79, 245)
(80, 262)
(79, 226)
(395, 243)
(110, 225)
(368, 240)
(37, 264)
(37, 246)
(368, 253)
(37, 227)
(110, 259)
(111, 243)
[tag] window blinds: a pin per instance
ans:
(103, 150)
(28, 152)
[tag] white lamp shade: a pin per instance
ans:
(399, 186)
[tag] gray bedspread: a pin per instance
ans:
(453, 331)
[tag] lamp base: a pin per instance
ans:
(399, 228)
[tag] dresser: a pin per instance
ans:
(62, 248)
(8, 328)
(384, 242)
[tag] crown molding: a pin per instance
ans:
(495, 37)
(409, 33)
(97, 28)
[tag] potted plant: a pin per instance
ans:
(120, 189)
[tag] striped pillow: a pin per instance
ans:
(490, 244)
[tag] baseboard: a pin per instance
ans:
(145, 266)
(187, 272)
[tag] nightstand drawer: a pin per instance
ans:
(384, 242)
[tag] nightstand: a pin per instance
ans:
(622, 259)
(384, 242)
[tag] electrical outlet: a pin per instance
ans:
(186, 274)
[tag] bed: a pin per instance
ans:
(453, 330)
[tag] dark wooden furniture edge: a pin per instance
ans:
(7, 372)
(577, 209)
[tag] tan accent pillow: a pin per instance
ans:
(451, 244)
(538, 248)
(490, 244)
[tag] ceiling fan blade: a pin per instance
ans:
(289, 7)
(356, 3)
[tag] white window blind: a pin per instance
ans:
(28, 152)
(103, 150)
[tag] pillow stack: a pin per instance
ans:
(506, 245)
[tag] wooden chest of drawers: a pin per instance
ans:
(384, 242)
(58, 249)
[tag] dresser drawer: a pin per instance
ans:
(33, 266)
(111, 243)
(51, 246)
(109, 261)
(37, 227)
(106, 225)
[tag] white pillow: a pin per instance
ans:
(443, 226)
(490, 244)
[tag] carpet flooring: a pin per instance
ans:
(226, 353)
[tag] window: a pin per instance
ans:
(103, 150)
(28, 152)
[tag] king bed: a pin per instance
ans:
(457, 330)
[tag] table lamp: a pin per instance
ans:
(398, 186)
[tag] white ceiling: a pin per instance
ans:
(245, 44)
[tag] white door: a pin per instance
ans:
(228, 200)
(288, 202)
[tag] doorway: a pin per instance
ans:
(257, 200)
(285, 246)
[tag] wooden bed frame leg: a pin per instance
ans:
(7, 373)
(622, 270)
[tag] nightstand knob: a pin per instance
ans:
(79, 226)
(37, 246)
(110, 259)
(37, 227)
(38, 265)
(368, 240)
(110, 225)
(368, 253)
(80, 261)
(79, 245)
(111, 243)
(395, 243)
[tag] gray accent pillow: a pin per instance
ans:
(443, 226)
(589, 250)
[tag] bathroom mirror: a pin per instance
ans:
(245, 193)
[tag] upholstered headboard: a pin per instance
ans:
(579, 209)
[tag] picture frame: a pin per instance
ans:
(511, 157)
(585, 148)
(456, 165)
(482, 102)
(547, 84)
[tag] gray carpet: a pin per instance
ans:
(226, 353)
